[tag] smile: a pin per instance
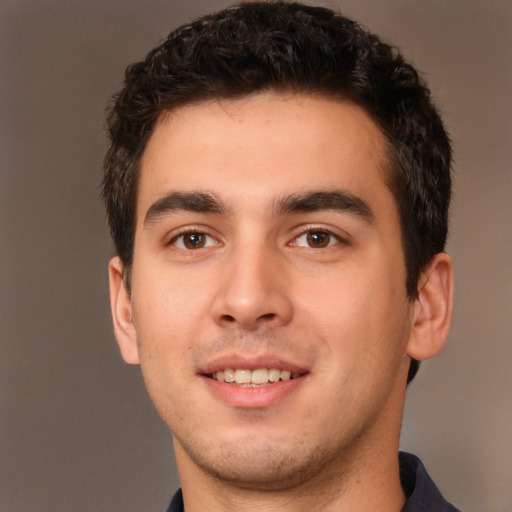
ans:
(253, 378)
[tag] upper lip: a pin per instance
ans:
(236, 361)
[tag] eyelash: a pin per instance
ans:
(333, 239)
(191, 231)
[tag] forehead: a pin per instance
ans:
(263, 146)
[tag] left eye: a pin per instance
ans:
(193, 240)
(316, 239)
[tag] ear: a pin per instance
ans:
(432, 309)
(121, 307)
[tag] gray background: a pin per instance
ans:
(77, 431)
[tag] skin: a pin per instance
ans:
(274, 282)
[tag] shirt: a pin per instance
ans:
(422, 493)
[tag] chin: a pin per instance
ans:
(267, 466)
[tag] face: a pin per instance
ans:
(268, 252)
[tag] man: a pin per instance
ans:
(277, 188)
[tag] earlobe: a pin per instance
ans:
(120, 304)
(432, 309)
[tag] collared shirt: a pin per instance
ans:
(422, 493)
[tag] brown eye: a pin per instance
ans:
(318, 239)
(193, 240)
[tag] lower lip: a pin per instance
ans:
(249, 397)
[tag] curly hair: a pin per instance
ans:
(288, 47)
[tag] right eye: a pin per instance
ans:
(193, 240)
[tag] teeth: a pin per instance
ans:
(274, 375)
(229, 376)
(242, 377)
(259, 376)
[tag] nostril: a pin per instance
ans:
(230, 319)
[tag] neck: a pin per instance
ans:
(372, 485)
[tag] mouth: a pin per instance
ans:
(259, 377)
(253, 383)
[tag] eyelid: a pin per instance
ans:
(340, 235)
(333, 240)
(181, 232)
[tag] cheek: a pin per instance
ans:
(158, 318)
(361, 316)
(167, 304)
(171, 315)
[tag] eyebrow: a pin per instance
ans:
(207, 202)
(200, 202)
(340, 200)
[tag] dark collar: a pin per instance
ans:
(176, 502)
(422, 493)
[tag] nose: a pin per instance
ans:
(252, 292)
